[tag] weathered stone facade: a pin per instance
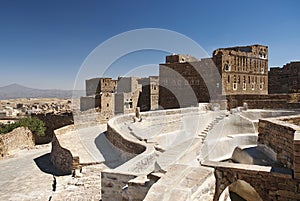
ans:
(128, 92)
(186, 81)
(100, 97)
(283, 136)
(244, 69)
(148, 99)
(285, 79)
(97, 85)
(89, 102)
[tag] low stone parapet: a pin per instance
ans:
(281, 134)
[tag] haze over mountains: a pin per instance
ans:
(14, 91)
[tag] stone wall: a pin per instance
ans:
(17, 139)
(285, 79)
(96, 85)
(61, 158)
(269, 184)
(89, 102)
(88, 118)
(279, 135)
(244, 69)
(132, 180)
(113, 183)
(271, 101)
(296, 167)
(148, 99)
(122, 142)
(52, 122)
(123, 186)
(184, 84)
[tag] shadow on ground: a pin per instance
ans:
(112, 156)
(45, 165)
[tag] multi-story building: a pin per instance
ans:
(109, 97)
(95, 86)
(148, 99)
(244, 69)
(126, 98)
(285, 79)
(186, 81)
(182, 83)
(100, 96)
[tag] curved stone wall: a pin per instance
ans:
(143, 138)
(122, 141)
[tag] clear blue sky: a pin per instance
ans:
(44, 42)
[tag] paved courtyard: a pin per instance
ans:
(29, 175)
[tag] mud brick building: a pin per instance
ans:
(285, 79)
(186, 81)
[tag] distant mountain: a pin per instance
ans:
(14, 91)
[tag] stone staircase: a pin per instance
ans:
(210, 126)
(184, 182)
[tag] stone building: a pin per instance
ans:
(126, 98)
(100, 96)
(244, 69)
(148, 99)
(181, 81)
(285, 79)
(95, 86)
(110, 97)
(186, 81)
